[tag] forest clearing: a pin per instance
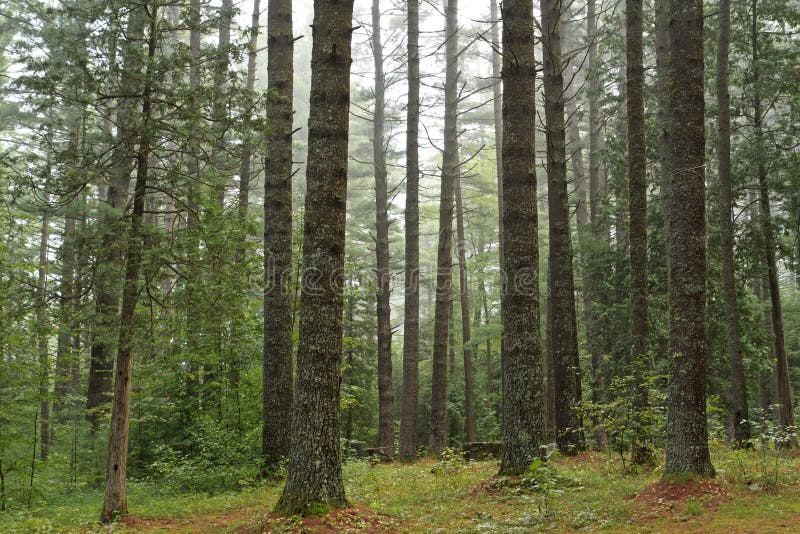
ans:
(280, 265)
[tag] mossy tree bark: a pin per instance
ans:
(383, 271)
(641, 448)
(463, 290)
(277, 370)
(687, 432)
(562, 331)
(737, 394)
(314, 480)
(444, 261)
(410, 408)
(522, 371)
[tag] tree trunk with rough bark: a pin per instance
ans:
(737, 394)
(383, 271)
(687, 432)
(314, 480)
(444, 262)
(783, 393)
(641, 448)
(522, 371)
(562, 334)
(469, 408)
(247, 141)
(109, 270)
(497, 112)
(596, 192)
(410, 408)
(115, 502)
(277, 370)
(662, 91)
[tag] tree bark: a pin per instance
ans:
(116, 501)
(497, 110)
(383, 272)
(109, 261)
(247, 144)
(469, 408)
(410, 409)
(641, 448)
(277, 370)
(737, 395)
(314, 480)
(521, 359)
(687, 433)
(662, 90)
(438, 430)
(596, 191)
(784, 386)
(562, 332)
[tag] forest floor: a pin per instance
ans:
(754, 491)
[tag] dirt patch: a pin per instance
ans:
(663, 493)
(679, 500)
(186, 525)
(355, 519)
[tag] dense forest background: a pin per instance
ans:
(86, 85)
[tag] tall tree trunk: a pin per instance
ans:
(109, 260)
(438, 431)
(383, 272)
(523, 376)
(43, 333)
(784, 386)
(469, 408)
(247, 141)
(662, 91)
(562, 332)
(314, 480)
(687, 433)
(595, 194)
(408, 419)
(737, 396)
(641, 449)
(115, 501)
(575, 152)
(497, 110)
(277, 371)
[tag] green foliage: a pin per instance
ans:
(618, 417)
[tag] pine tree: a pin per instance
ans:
(523, 376)
(314, 479)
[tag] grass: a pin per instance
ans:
(456, 496)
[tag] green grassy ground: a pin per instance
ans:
(754, 492)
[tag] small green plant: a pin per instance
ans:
(618, 420)
(767, 464)
(450, 461)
